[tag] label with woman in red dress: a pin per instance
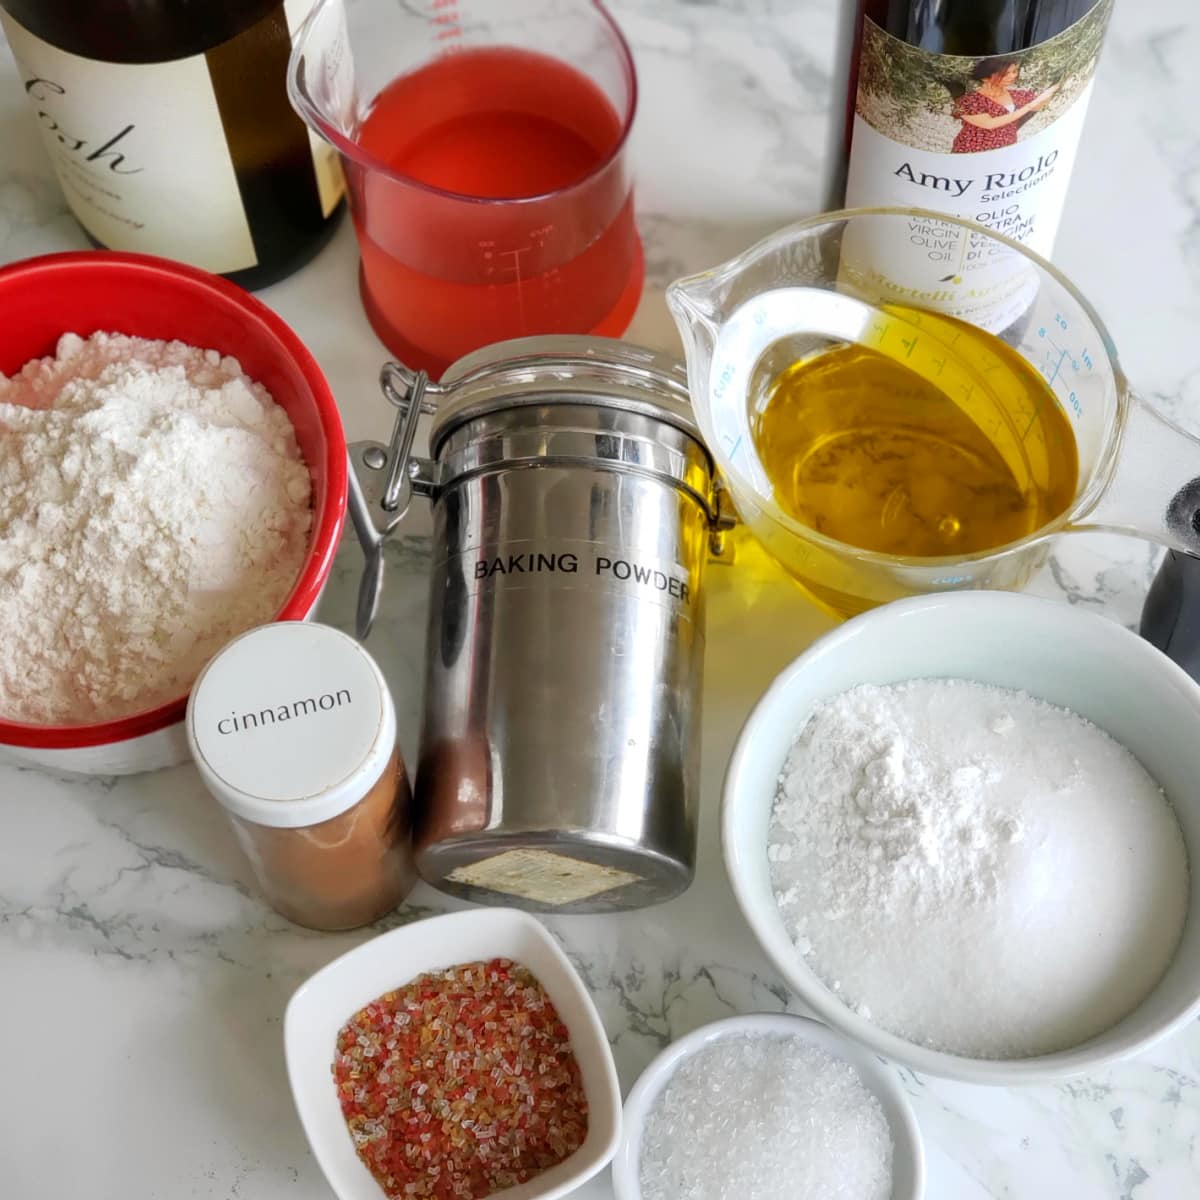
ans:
(990, 140)
(993, 112)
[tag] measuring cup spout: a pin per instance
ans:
(694, 306)
(1152, 484)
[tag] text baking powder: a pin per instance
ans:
(153, 504)
(973, 869)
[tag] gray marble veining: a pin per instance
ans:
(143, 980)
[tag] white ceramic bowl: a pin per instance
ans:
(1051, 650)
(323, 1003)
(908, 1161)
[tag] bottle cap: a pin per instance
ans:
(291, 724)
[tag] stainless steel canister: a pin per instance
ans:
(574, 507)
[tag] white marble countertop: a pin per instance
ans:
(142, 981)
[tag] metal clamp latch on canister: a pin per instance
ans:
(384, 478)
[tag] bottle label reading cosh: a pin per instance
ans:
(990, 139)
(197, 158)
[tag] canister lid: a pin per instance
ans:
(564, 369)
(290, 724)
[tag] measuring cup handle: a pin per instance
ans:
(1171, 615)
(1153, 487)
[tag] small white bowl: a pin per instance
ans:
(908, 1159)
(322, 1005)
(1078, 660)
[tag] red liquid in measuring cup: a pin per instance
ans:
(445, 272)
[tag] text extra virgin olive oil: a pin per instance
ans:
(958, 450)
(973, 108)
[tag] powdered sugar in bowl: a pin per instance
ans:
(1078, 662)
(276, 426)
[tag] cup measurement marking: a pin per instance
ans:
(929, 358)
(1052, 368)
(446, 15)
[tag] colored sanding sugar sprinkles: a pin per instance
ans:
(460, 1084)
(973, 869)
(754, 1117)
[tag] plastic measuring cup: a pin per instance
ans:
(483, 145)
(820, 282)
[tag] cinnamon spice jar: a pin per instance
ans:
(294, 732)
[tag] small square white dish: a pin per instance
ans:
(324, 1002)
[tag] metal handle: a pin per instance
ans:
(397, 489)
(384, 478)
(1152, 489)
(724, 518)
(1171, 616)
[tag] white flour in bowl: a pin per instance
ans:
(153, 504)
(974, 869)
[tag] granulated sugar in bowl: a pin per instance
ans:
(765, 1118)
(979, 879)
(767, 1107)
(189, 482)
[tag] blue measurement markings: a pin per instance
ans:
(723, 381)
(1054, 365)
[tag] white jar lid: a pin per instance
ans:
(290, 724)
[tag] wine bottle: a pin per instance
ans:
(971, 108)
(170, 130)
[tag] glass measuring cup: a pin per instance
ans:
(820, 282)
(483, 147)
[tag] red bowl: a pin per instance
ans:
(99, 291)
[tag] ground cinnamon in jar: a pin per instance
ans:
(294, 732)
